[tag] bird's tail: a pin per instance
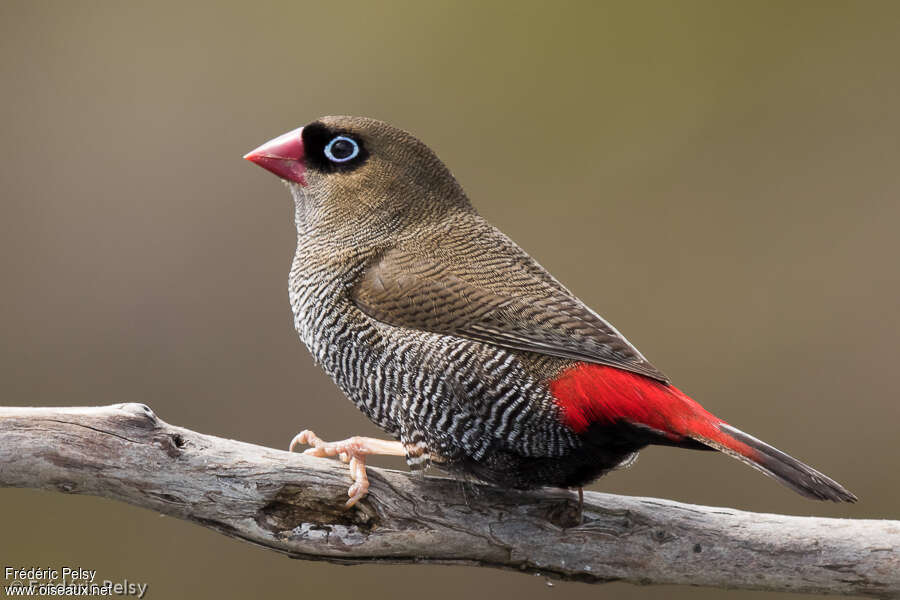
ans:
(699, 425)
(664, 414)
(786, 469)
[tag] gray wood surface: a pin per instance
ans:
(293, 504)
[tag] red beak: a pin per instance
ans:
(282, 156)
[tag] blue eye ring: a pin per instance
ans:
(330, 155)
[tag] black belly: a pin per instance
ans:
(603, 448)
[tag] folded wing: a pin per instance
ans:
(408, 290)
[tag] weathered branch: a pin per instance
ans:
(292, 504)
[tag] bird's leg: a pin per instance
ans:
(352, 450)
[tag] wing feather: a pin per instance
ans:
(425, 293)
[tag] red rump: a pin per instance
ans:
(589, 393)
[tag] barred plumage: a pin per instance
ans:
(458, 397)
(453, 340)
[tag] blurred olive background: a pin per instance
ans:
(719, 179)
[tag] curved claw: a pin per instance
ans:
(306, 438)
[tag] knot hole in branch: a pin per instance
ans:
(294, 507)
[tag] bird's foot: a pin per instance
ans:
(353, 451)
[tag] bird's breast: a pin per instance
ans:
(470, 395)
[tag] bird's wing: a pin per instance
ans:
(425, 293)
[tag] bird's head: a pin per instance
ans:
(361, 176)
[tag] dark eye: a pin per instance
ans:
(341, 149)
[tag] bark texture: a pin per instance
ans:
(293, 504)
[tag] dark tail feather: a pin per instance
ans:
(801, 478)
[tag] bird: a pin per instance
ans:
(456, 343)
